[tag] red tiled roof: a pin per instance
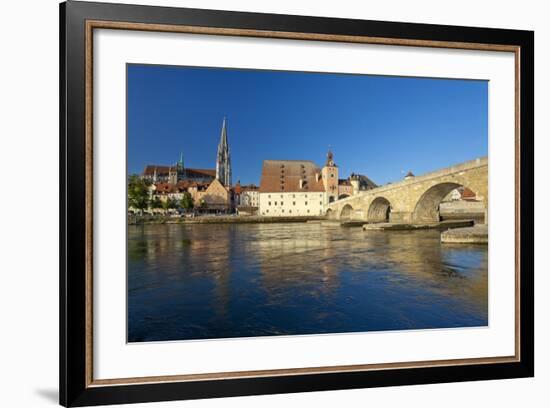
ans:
(200, 172)
(285, 175)
(190, 172)
(467, 193)
(161, 170)
(165, 188)
(183, 185)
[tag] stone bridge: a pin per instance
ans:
(415, 200)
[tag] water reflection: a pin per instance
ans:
(241, 280)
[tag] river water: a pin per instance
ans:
(204, 281)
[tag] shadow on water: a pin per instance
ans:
(242, 280)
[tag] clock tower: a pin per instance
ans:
(330, 178)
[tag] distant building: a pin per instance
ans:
(460, 193)
(174, 174)
(250, 196)
(291, 188)
(360, 182)
(248, 199)
(214, 198)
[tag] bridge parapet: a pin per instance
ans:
(416, 199)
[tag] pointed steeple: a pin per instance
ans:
(180, 163)
(224, 132)
(223, 160)
(180, 168)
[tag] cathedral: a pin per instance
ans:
(223, 160)
(178, 172)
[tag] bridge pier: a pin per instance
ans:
(401, 217)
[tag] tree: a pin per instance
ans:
(187, 201)
(138, 193)
(156, 203)
(170, 204)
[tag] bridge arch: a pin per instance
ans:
(329, 214)
(379, 210)
(427, 206)
(346, 213)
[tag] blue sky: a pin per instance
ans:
(375, 125)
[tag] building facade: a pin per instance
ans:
(291, 188)
(215, 198)
(250, 196)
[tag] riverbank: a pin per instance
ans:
(218, 219)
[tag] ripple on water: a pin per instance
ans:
(217, 281)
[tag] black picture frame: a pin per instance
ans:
(75, 389)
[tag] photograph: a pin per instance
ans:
(285, 203)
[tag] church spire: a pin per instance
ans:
(180, 168)
(223, 160)
(180, 163)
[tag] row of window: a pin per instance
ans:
(293, 203)
(293, 195)
(289, 211)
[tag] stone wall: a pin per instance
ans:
(416, 199)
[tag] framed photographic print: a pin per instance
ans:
(255, 203)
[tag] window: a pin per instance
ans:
(294, 203)
(282, 203)
(331, 174)
(320, 203)
(282, 196)
(275, 202)
(283, 210)
(306, 202)
(269, 203)
(267, 211)
(308, 211)
(290, 211)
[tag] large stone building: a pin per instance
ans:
(301, 188)
(173, 174)
(291, 188)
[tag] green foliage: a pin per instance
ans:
(156, 203)
(187, 201)
(138, 193)
(170, 204)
